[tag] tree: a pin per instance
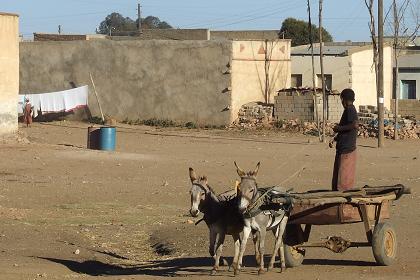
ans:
(152, 22)
(298, 31)
(116, 23)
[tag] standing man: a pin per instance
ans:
(345, 157)
(27, 112)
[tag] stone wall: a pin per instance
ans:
(407, 108)
(255, 114)
(9, 72)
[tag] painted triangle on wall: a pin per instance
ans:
(261, 50)
(282, 49)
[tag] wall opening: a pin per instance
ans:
(408, 89)
(296, 80)
(328, 81)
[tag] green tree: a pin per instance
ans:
(152, 22)
(116, 23)
(298, 31)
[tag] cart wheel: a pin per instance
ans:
(293, 257)
(384, 244)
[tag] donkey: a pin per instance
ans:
(220, 214)
(248, 194)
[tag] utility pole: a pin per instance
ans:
(59, 29)
(139, 16)
(267, 77)
(321, 61)
(396, 76)
(380, 73)
(315, 97)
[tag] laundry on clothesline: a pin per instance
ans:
(54, 102)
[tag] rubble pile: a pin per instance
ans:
(368, 113)
(258, 115)
(254, 115)
(368, 119)
(408, 129)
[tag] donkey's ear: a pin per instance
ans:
(193, 176)
(255, 172)
(204, 180)
(241, 173)
(237, 186)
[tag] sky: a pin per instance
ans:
(344, 19)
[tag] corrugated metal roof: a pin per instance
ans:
(334, 49)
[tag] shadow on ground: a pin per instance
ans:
(173, 267)
(338, 262)
(199, 266)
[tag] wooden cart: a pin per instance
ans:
(370, 205)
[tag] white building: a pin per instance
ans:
(346, 65)
(9, 72)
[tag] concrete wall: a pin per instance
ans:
(290, 105)
(338, 66)
(9, 72)
(177, 80)
(245, 35)
(59, 37)
(363, 78)
(199, 34)
(165, 34)
(175, 34)
(248, 71)
(409, 69)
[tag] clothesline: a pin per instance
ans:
(54, 102)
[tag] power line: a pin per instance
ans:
(238, 16)
(257, 17)
(245, 18)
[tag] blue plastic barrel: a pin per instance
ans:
(107, 138)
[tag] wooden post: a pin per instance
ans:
(380, 98)
(396, 76)
(267, 70)
(321, 61)
(315, 98)
(97, 98)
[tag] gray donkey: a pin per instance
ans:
(220, 214)
(259, 221)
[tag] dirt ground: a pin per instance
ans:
(71, 213)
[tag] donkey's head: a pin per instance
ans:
(247, 188)
(199, 191)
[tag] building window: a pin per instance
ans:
(408, 89)
(328, 81)
(296, 80)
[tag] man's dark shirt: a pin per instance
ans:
(346, 140)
